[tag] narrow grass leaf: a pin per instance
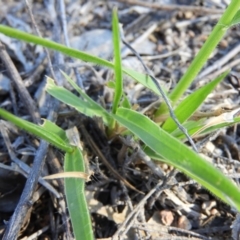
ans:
(125, 102)
(144, 79)
(219, 126)
(227, 117)
(236, 19)
(191, 126)
(110, 84)
(53, 128)
(75, 189)
(191, 103)
(75, 195)
(17, 34)
(117, 62)
(14, 33)
(198, 129)
(179, 155)
(91, 102)
(86, 106)
(43, 132)
(79, 90)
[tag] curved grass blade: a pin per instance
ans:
(86, 106)
(53, 128)
(198, 128)
(236, 19)
(145, 80)
(75, 189)
(44, 131)
(219, 126)
(191, 126)
(75, 195)
(180, 156)
(190, 104)
(14, 33)
(117, 62)
(227, 117)
(17, 34)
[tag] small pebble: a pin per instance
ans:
(166, 217)
(184, 223)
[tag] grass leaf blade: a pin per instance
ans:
(85, 106)
(190, 104)
(43, 131)
(75, 195)
(117, 62)
(17, 34)
(14, 33)
(179, 155)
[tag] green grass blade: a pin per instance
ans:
(236, 19)
(144, 79)
(179, 155)
(200, 128)
(218, 127)
(190, 104)
(75, 195)
(216, 35)
(125, 102)
(11, 32)
(43, 132)
(117, 62)
(14, 33)
(53, 128)
(191, 126)
(107, 118)
(80, 91)
(195, 126)
(86, 106)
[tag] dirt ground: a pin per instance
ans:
(167, 34)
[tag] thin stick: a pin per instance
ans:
(66, 39)
(15, 223)
(140, 205)
(40, 35)
(24, 204)
(16, 78)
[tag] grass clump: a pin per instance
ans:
(162, 134)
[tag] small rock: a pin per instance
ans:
(166, 217)
(184, 223)
(188, 14)
(210, 146)
(97, 42)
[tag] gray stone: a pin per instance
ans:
(97, 42)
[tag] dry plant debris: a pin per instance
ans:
(167, 37)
